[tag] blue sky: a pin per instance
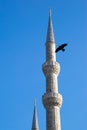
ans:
(23, 27)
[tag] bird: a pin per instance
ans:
(61, 47)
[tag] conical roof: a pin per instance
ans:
(35, 119)
(50, 33)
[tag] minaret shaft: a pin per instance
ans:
(50, 52)
(51, 83)
(53, 118)
(52, 100)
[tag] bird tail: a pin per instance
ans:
(63, 49)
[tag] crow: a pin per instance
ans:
(61, 47)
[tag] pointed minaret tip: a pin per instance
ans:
(50, 33)
(50, 12)
(35, 102)
(35, 118)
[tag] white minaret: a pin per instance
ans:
(52, 100)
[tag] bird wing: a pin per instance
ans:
(59, 48)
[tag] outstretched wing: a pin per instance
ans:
(58, 49)
(61, 47)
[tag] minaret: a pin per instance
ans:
(35, 119)
(52, 100)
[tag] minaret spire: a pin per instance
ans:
(50, 34)
(35, 119)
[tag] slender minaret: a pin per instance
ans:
(52, 100)
(35, 119)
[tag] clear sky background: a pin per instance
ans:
(23, 28)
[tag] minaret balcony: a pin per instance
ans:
(52, 99)
(51, 67)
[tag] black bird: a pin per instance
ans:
(61, 47)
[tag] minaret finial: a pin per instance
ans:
(35, 102)
(35, 119)
(50, 34)
(50, 12)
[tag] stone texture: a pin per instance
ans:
(52, 99)
(51, 67)
(50, 51)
